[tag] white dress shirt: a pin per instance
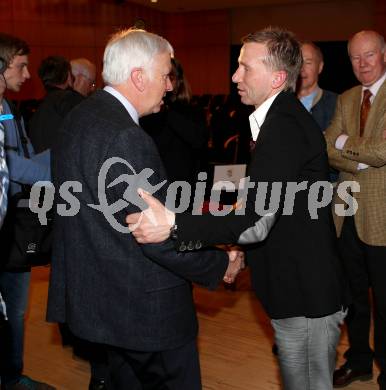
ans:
(257, 118)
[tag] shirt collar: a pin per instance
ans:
(257, 118)
(129, 107)
(308, 100)
(375, 87)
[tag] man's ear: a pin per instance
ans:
(321, 65)
(279, 78)
(137, 77)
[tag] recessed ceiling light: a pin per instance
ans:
(154, 1)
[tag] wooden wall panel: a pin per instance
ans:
(71, 28)
(380, 17)
(201, 43)
(321, 21)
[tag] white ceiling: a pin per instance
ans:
(196, 5)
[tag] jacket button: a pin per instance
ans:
(198, 245)
(182, 247)
(190, 246)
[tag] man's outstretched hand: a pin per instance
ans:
(236, 264)
(153, 224)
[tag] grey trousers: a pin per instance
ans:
(307, 350)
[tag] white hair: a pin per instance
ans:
(375, 34)
(129, 49)
(82, 66)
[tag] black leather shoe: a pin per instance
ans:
(346, 375)
(97, 384)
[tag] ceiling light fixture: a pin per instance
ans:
(154, 1)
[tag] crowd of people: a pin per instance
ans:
(122, 271)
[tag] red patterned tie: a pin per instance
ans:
(365, 108)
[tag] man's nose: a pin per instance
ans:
(169, 85)
(26, 73)
(362, 61)
(236, 76)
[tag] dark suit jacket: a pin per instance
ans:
(180, 136)
(46, 121)
(296, 270)
(103, 284)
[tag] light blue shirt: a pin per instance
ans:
(308, 100)
(23, 170)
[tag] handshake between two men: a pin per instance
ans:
(156, 223)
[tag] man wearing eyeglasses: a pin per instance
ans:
(84, 73)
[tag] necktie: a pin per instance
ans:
(365, 109)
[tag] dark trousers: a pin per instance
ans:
(96, 354)
(174, 369)
(365, 267)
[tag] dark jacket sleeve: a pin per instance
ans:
(205, 267)
(275, 160)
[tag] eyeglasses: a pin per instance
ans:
(92, 82)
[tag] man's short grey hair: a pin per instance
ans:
(130, 49)
(284, 53)
(317, 49)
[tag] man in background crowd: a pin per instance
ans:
(357, 148)
(320, 103)
(4, 177)
(84, 74)
(55, 74)
(14, 286)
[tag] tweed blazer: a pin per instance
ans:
(370, 218)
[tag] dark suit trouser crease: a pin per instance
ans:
(365, 267)
(174, 369)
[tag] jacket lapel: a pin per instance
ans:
(353, 113)
(376, 113)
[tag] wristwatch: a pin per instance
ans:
(173, 232)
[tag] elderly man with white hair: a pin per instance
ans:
(136, 300)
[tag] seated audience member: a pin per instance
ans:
(14, 286)
(356, 142)
(55, 74)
